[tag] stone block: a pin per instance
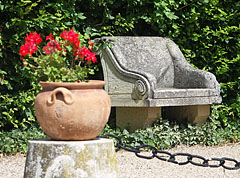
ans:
(134, 118)
(196, 114)
(71, 159)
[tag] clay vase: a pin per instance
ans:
(72, 111)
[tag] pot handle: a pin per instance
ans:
(67, 96)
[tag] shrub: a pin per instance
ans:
(16, 110)
(206, 31)
(16, 140)
(165, 134)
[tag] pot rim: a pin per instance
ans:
(91, 84)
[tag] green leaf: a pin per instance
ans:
(170, 15)
(81, 16)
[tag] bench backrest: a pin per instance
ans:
(145, 55)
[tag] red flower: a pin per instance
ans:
(33, 38)
(49, 37)
(91, 57)
(71, 37)
(31, 42)
(80, 52)
(90, 44)
(52, 47)
(28, 48)
(23, 50)
(32, 48)
(83, 52)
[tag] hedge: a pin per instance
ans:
(207, 32)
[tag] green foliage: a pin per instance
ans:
(16, 110)
(165, 134)
(16, 140)
(54, 69)
(207, 32)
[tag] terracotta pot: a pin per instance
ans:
(72, 111)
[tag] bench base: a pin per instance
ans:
(132, 118)
(195, 114)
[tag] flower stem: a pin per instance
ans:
(32, 65)
(72, 64)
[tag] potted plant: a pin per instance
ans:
(69, 107)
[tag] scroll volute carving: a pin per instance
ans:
(140, 90)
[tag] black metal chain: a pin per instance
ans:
(167, 156)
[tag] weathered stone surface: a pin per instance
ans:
(151, 69)
(152, 72)
(195, 114)
(71, 159)
(133, 118)
(146, 56)
(184, 93)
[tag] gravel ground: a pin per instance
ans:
(131, 166)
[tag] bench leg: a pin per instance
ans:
(132, 118)
(196, 114)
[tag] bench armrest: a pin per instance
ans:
(186, 76)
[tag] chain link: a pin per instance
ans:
(167, 156)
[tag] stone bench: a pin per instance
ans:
(144, 74)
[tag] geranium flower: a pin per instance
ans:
(52, 46)
(60, 60)
(71, 37)
(28, 48)
(91, 57)
(33, 38)
(49, 37)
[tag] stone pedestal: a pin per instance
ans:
(133, 118)
(196, 114)
(71, 159)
